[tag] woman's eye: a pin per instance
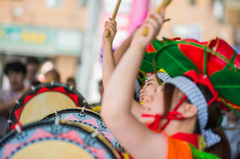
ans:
(148, 84)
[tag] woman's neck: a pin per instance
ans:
(184, 126)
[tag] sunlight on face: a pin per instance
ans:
(149, 88)
(152, 98)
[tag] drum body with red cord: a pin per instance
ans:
(44, 99)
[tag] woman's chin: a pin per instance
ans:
(146, 120)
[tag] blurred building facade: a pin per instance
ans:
(44, 28)
(204, 20)
(232, 16)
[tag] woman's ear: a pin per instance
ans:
(188, 110)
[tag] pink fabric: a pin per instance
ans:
(100, 153)
(73, 135)
(9, 148)
(91, 121)
(109, 136)
(71, 117)
(39, 133)
(139, 12)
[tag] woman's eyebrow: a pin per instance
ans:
(150, 80)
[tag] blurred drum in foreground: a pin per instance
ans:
(56, 140)
(88, 117)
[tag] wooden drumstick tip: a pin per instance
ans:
(108, 33)
(113, 17)
(165, 3)
(116, 9)
(145, 31)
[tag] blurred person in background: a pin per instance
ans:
(32, 66)
(16, 72)
(232, 124)
(97, 106)
(100, 89)
(52, 76)
(71, 82)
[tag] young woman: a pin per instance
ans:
(178, 106)
(111, 59)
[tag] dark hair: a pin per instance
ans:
(221, 149)
(100, 83)
(238, 156)
(35, 82)
(32, 60)
(70, 79)
(15, 66)
(55, 73)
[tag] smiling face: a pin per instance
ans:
(149, 88)
(152, 98)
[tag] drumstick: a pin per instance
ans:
(164, 3)
(107, 35)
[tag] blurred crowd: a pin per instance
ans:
(22, 76)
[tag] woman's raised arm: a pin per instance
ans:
(118, 94)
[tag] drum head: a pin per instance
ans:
(44, 99)
(39, 149)
(46, 139)
(88, 117)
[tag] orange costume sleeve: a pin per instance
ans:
(178, 149)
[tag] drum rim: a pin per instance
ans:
(71, 110)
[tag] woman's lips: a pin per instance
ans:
(141, 98)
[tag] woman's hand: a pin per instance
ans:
(153, 22)
(111, 26)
